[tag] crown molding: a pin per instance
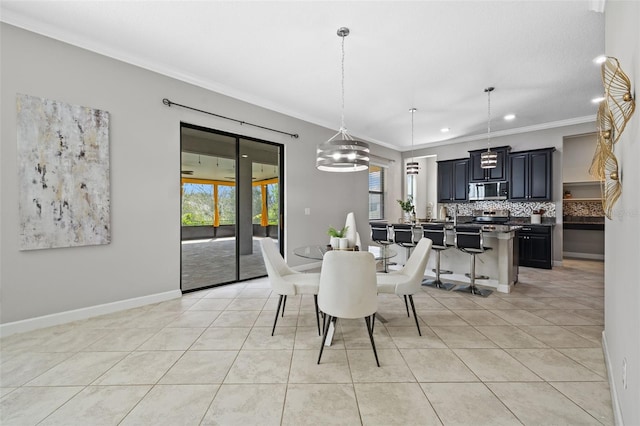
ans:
(508, 132)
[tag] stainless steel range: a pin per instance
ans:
(491, 216)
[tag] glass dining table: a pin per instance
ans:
(317, 252)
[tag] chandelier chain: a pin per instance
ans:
(413, 110)
(342, 117)
(489, 118)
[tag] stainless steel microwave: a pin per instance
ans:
(488, 191)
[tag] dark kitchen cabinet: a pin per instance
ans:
(453, 180)
(534, 246)
(498, 173)
(530, 175)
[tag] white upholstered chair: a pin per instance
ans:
(408, 280)
(285, 281)
(348, 289)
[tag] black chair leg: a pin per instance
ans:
(373, 322)
(373, 345)
(406, 305)
(283, 305)
(315, 300)
(277, 312)
(414, 313)
(324, 336)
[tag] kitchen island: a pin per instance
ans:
(500, 263)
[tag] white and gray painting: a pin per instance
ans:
(63, 174)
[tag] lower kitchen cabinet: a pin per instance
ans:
(535, 246)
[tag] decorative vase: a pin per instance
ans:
(344, 243)
(335, 242)
(406, 217)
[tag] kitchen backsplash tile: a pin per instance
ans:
(516, 209)
(582, 208)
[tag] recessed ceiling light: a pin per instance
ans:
(244, 155)
(445, 129)
(599, 59)
(597, 100)
(509, 116)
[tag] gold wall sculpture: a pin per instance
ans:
(613, 114)
(604, 144)
(617, 89)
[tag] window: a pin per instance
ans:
(197, 204)
(272, 202)
(376, 192)
(411, 187)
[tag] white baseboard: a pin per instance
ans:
(84, 313)
(557, 263)
(576, 255)
(617, 411)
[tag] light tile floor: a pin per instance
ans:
(531, 357)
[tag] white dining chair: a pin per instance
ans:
(348, 289)
(407, 281)
(285, 281)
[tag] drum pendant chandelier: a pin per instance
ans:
(412, 166)
(342, 153)
(489, 159)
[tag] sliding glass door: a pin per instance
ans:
(231, 198)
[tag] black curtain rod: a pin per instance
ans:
(169, 103)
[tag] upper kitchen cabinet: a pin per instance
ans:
(530, 175)
(498, 173)
(453, 180)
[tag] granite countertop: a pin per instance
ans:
(487, 227)
(589, 223)
(583, 219)
(526, 220)
(513, 221)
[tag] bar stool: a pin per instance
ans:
(404, 237)
(469, 240)
(380, 235)
(437, 234)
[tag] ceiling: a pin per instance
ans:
(202, 166)
(201, 159)
(436, 56)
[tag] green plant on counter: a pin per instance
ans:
(333, 232)
(407, 206)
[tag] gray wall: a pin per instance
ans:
(144, 255)
(587, 243)
(577, 159)
(521, 142)
(622, 233)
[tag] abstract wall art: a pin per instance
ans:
(63, 174)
